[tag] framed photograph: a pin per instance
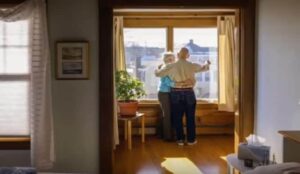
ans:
(72, 60)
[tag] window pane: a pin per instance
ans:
(1, 33)
(16, 33)
(16, 61)
(203, 45)
(1, 60)
(14, 46)
(14, 108)
(144, 48)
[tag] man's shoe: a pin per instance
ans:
(180, 142)
(192, 143)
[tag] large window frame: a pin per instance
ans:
(170, 23)
(16, 142)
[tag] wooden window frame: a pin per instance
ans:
(164, 20)
(186, 22)
(14, 143)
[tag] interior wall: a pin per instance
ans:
(278, 62)
(75, 102)
(12, 158)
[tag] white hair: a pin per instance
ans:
(166, 55)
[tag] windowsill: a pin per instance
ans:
(152, 102)
(207, 101)
(14, 143)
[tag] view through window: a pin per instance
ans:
(14, 78)
(143, 51)
(203, 45)
(144, 48)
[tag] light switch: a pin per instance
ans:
(299, 102)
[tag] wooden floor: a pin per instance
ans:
(159, 157)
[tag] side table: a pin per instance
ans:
(234, 163)
(128, 127)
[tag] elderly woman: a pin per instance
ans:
(164, 129)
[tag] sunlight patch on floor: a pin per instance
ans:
(180, 166)
(223, 158)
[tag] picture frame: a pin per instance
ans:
(72, 60)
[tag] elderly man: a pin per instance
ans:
(183, 100)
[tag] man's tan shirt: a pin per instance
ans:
(181, 70)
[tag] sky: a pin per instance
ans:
(156, 37)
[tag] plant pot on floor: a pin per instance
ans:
(128, 108)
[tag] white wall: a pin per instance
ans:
(12, 158)
(75, 101)
(278, 70)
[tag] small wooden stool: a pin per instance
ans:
(128, 127)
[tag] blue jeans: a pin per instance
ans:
(184, 102)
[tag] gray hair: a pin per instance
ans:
(167, 54)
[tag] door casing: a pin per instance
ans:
(244, 120)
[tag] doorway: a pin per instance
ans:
(147, 35)
(243, 118)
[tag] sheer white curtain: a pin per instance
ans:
(41, 120)
(119, 64)
(227, 61)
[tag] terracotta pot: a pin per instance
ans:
(128, 108)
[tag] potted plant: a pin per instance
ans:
(128, 90)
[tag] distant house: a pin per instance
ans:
(206, 86)
(196, 49)
(142, 61)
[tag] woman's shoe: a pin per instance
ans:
(192, 143)
(180, 142)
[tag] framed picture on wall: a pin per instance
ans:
(72, 60)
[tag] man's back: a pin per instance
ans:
(181, 70)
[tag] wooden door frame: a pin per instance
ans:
(246, 19)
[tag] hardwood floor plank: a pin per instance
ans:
(148, 157)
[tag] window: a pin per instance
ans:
(14, 78)
(146, 40)
(202, 44)
(143, 50)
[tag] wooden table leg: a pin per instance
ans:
(125, 130)
(143, 129)
(129, 134)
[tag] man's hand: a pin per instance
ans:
(189, 82)
(186, 83)
(159, 66)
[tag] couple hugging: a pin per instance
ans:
(177, 97)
